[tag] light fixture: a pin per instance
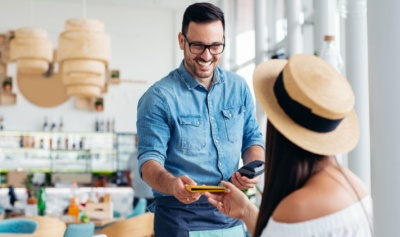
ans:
(31, 50)
(83, 53)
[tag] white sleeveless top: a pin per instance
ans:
(353, 221)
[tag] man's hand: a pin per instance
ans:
(180, 192)
(242, 182)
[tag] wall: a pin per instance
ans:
(144, 47)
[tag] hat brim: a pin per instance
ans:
(341, 140)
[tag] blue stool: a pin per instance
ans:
(18, 225)
(140, 208)
(80, 230)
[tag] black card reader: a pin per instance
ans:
(252, 169)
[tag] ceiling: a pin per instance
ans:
(164, 4)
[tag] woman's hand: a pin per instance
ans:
(235, 203)
(232, 203)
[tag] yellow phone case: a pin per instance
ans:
(211, 189)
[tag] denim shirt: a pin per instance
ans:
(195, 132)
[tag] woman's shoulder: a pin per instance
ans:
(325, 193)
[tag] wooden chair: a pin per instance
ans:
(2, 213)
(49, 227)
(138, 226)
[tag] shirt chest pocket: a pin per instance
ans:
(234, 122)
(192, 132)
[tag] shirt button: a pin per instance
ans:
(216, 141)
(230, 115)
(212, 118)
(220, 164)
(197, 123)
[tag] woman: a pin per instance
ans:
(310, 119)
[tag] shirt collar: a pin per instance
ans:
(191, 82)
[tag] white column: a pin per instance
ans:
(260, 48)
(260, 23)
(324, 21)
(233, 33)
(294, 38)
(178, 56)
(223, 4)
(355, 15)
(384, 72)
(271, 23)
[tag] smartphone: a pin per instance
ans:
(252, 169)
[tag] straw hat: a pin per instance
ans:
(316, 104)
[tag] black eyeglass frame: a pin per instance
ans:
(206, 46)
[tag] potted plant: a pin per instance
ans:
(7, 84)
(30, 189)
(114, 74)
(98, 104)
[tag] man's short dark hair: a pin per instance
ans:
(202, 12)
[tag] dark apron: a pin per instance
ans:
(198, 219)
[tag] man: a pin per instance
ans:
(194, 125)
(141, 188)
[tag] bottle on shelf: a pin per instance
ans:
(21, 141)
(112, 125)
(97, 125)
(53, 125)
(66, 143)
(51, 143)
(59, 143)
(330, 52)
(108, 125)
(45, 127)
(1, 122)
(81, 143)
(41, 204)
(61, 125)
(41, 144)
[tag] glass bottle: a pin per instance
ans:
(330, 52)
(45, 125)
(73, 208)
(1, 122)
(97, 125)
(41, 204)
(61, 125)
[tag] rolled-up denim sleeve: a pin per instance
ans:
(152, 127)
(251, 135)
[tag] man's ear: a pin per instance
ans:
(181, 41)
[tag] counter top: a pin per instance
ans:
(57, 199)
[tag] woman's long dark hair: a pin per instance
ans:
(287, 168)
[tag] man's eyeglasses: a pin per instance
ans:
(199, 48)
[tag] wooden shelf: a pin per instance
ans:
(4, 54)
(88, 103)
(83, 103)
(3, 39)
(114, 80)
(3, 69)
